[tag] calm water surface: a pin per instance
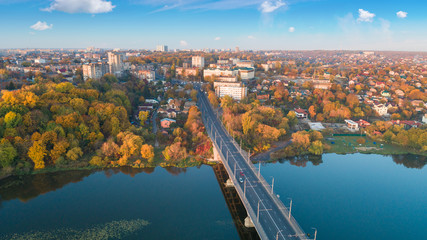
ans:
(345, 197)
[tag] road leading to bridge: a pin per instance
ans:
(270, 217)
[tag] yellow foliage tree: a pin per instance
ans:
(147, 152)
(36, 153)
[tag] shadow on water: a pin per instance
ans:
(407, 160)
(235, 205)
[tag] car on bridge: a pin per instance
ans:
(240, 179)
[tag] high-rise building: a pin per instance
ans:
(115, 62)
(235, 90)
(162, 48)
(198, 61)
(94, 71)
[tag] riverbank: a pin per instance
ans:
(158, 161)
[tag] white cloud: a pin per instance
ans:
(365, 16)
(41, 26)
(183, 43)
(81, 6)
(217, 38)
(291, 29)
(271, 6)
(402, 14)
(251, 37)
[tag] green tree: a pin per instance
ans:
(7, 153)
(316, 148)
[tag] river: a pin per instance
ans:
(343, 196)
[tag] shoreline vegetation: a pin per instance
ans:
(386, 150)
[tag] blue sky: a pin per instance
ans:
(185, 24)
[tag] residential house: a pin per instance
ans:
(301, 113)
(166, 122)
(363, 123)
(352, 125)
(381, 109)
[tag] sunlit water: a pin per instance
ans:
(345, 197)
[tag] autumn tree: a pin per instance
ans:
(143, 116)
(36, 153)
(147, 152)
(213, 99)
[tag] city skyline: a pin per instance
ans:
(224, 24)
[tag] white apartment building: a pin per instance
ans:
(246, 73)
(235, 90)
(148, 75)
(198, 61)
(94, 71)
(245, 64)
(115, 62)
(220, 72)
(162, 48)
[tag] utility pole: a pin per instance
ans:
(227, 157)
(290, 209)
(235, 165)
(259, 169)
(257, 218)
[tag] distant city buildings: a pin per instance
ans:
(94, 71)
(115, 62)
(162, 48)
(198, 62)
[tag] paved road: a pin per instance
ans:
(273, 220)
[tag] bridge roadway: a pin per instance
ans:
(267, 212)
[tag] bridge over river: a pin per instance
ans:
(271, 219)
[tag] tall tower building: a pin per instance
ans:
(198, 61)
(115, 62)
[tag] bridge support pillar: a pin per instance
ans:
(248, 222)
(216, 157)
(229, 183)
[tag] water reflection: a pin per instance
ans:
(410, 161)
(28, 187)
(301, 161)
(407, 160)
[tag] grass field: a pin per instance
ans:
(348, 144)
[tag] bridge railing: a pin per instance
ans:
(249, 209)
(296, 227)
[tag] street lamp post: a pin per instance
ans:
(272, 185)
(259, 169)
(290, 209)
(244, 189)
(257, 218)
